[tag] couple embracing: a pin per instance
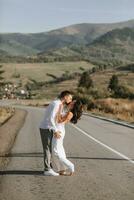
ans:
(52, 130)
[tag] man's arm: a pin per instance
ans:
(54, 112)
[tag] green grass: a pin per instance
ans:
(38, 71)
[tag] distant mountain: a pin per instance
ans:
(3, 53)
(18, 44)
(116, 46)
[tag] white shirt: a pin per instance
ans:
(49, 121)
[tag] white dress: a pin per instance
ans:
(58, 153)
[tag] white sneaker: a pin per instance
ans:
(50, 172)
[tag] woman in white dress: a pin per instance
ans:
(60, 161)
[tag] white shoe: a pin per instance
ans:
(50, 172)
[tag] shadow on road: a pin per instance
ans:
(40, 154)
(21, 172)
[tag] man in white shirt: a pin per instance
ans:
(48, 129)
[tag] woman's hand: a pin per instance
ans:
(57, 134)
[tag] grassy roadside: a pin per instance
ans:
(120, 109)
(8, 133)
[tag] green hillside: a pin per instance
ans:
(114, 47)
(18, 44)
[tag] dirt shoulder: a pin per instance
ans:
(8, 133)
(5, 114)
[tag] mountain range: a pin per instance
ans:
(83, 40)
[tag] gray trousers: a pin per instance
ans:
(46, 138)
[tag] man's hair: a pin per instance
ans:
(64, 93)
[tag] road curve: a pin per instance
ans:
(102, 152)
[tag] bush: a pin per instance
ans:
(113, 83)
(123, 92)
(16, 75)
(85, 80)
(94, 93)
(85, 99)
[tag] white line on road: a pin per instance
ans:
(104, 145)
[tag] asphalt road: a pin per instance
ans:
(103, 154)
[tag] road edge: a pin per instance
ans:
(122, 123)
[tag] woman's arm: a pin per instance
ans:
(65, 118)
(69, 116)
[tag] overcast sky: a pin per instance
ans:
(29, 16)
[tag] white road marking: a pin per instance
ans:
(104, 145)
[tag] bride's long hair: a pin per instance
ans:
(77, 111)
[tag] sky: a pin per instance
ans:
(32, 16)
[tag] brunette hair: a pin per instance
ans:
(77, 111)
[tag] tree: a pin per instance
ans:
(1, 77)
(85, 80)
(113, 84)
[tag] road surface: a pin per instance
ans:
(102, 152)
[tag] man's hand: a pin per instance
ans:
(57, 134)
